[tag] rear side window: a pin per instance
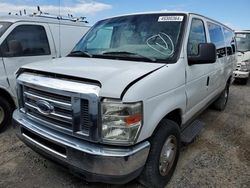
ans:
(217, 37)
(196, 36)
(26, 40)
(230, 41)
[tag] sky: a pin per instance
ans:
(235, 14)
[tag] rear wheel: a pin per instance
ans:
(163, 155)
(5, 114)
(221, 102)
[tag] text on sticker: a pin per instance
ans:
(170, 19)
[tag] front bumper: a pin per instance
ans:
(240, 74)
(95, 162)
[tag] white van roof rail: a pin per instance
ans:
(70, 17)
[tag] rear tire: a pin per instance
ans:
(5, 114)
(221, 103)
(163, 155)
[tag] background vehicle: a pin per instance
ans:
(27, 39)
(241, 73)
(127, 95)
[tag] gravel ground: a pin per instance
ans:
(219, 157)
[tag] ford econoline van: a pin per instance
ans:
(121, 103)
(27, 39)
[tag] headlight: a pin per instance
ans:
(121, 122)
(243, 66)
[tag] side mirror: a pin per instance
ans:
(206, 54)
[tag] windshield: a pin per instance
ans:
(243, 42)
(3, 27)
(150, 37)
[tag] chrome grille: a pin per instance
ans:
(62, 115)
(73, 105)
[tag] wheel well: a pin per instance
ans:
(174, 115)
(7, 96)
(229, 80)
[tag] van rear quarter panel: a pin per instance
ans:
(161, 92)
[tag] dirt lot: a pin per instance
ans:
(220, 157)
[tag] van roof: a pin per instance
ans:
(39, 19)
(242, 31)
(172, 12)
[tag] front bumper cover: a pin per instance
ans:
(240, 74)
(96, 162)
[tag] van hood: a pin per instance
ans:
(113, 75)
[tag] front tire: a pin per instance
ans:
(5, 114)
(163, 155)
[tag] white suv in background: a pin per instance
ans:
(27, 39)
(119, 106)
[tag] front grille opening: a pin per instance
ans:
(45, 142)
(56, 109)
(62, 117)
(49, 121)
(53, 96)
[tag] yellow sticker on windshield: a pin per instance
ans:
(170, 19)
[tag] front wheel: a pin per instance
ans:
(5, 114)
(163, 155)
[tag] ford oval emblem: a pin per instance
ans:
(44, 107)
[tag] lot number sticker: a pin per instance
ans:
(170, 19)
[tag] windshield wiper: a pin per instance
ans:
(125, 53)
(79, 53)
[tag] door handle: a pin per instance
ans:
(208, 79)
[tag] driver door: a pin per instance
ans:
(26, 43)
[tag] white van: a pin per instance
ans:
(121, 104)
(26, 39)
(241, 73)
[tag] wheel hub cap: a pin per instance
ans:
(168, 154)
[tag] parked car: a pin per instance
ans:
(26, 39)
(241, 73)
(119, 106)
